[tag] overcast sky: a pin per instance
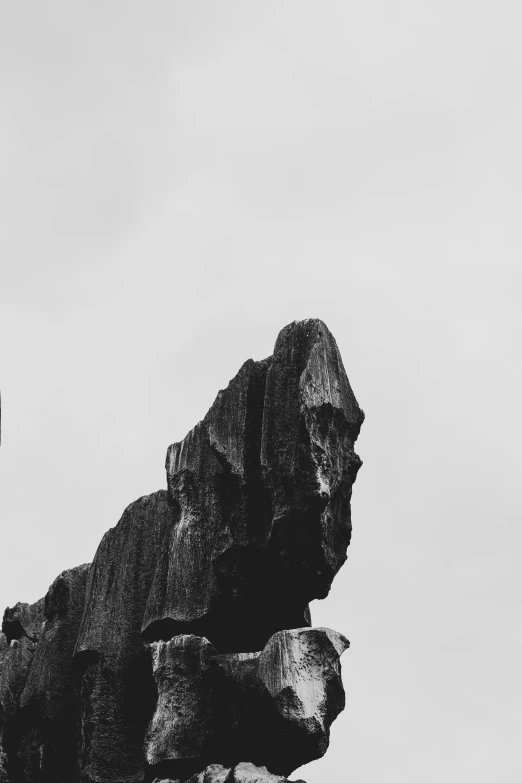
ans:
(179, 180)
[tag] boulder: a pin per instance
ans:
(301, 671)
(186, 682)
(245, 772)
(214, 773)
(275, 706)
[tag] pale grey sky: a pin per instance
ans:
(179, 180)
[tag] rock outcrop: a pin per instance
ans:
(274, 706)
(38, 690)
(184, 651)
(49, 703)
(262, 489)
(21, 629)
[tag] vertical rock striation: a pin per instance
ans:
(262, 488)
(184, 651)
(112, 660)
(21, 629)
(49, 704)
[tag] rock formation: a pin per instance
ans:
(185, 650)
(273, 707)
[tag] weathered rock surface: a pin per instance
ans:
(244, 772)
(40, 704)
(117, 693)
(185, 647)
(50, 699)
(262, 489)
(187, 683)
(301, 671)
(274, 706)
(3, 768)
(21, 628)
(3, 756)
(23, 620)
(214, 773)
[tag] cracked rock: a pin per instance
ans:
(275, 706)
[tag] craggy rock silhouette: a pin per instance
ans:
(184, 651)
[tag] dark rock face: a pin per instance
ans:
(275, 706)
(50, 699)
(21, 628)
(262, 491)
(244, 772)
(185, 650)
(23, 620)
(116, 680)
(41, 715)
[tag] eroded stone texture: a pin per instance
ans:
(21, 627)
(186, 681)
(262, 488)
(275, 706)
(310, 423)
(23, 620)
(301, 671)
(48, 730)
(205, 579)
(244, 772)
(254, 525)
(114, 664)
(214, 773)
(3, 768)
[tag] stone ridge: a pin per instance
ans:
(201, 591)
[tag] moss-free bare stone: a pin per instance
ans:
(253, 525)
(275, 706)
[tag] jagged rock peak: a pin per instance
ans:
(187, 642)
(261, 489)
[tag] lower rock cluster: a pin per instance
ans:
(244, 772)
(273, 707)
(185, 651)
